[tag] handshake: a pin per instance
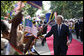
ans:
(43, 41)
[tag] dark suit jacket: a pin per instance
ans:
(77, 26)
(62, 40)
(81, 26)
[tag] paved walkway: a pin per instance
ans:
(42, 50)
(74, 36)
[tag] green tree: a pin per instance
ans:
(29, 10)
(9, 6)
(69, 9)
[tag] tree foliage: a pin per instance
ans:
(69, 9)
(29, 10)
(10, 5)
(7, 6)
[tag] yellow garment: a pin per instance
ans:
(25, 1)
(28, 52)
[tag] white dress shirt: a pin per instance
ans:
(60, 26)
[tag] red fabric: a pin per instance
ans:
(75, 48)
(16, 49)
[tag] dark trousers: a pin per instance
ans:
(81, 36)
(77, 33)
(60, 50)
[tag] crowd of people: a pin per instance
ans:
(6, 25)
(75, 26)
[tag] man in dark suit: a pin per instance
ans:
(81, 29)
(60, 32)
(77, 28)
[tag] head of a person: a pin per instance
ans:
(45, 22)
(81, 19)
(10, 21)
(20, 27)
(41, 22)
(59, 19)
(5, 34)
(34, 22)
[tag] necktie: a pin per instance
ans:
(59, 30)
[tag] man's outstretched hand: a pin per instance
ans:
(43, 41)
